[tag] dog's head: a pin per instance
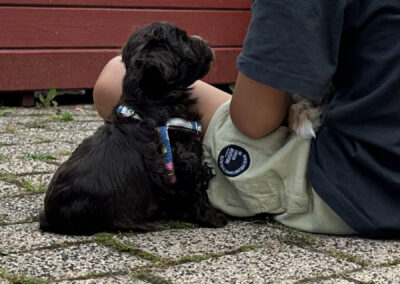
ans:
(161, 57)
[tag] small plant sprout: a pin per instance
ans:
(66, 116)
(48, 100)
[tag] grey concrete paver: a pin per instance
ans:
(12, 235)
(106, 280)
(177, 243)
(86, 110)
(18, 138)
(70, 262)
(37, 179)
(6, 120)
(378, 275)
(332, 281)
(373, 252)
(24, 164)
(20, 208)
(9, 189)
(74, 137)
(37, 149)
(275, 263)
(74, 125)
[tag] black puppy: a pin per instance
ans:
(118, 179)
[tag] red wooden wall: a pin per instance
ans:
(65, 43)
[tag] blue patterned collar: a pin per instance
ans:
(126, 111)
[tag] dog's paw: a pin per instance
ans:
(220, 220)
(216, 220)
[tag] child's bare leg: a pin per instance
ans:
(108, 89)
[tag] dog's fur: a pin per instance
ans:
(116, 179)
(304, 116)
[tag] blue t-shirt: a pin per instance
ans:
(305, 46)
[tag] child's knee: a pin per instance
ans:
(108, 87)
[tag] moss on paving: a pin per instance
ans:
(21, 278)
(248, 248)
(391, 263)
(110, 240)
(175, 224)
(65, 154)
(298, 238)
(348, 257)
(39, 157)
(148, 277)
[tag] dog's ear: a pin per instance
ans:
(159, 69)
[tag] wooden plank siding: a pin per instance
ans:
(65, 43)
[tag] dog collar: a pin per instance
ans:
(166, 145)
(127, 112)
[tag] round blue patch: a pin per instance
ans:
(233, 160)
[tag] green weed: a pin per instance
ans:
(36, 188)
(65, 117)
(8, 177)
(47, 100)
(232, 87)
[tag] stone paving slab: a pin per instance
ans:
(175, 244)
(19, 138)
(20, 208)
(378, 275)
(106, 280)
(373, 252)
(12, 235)
(70, 262)
(275, 263)
(333, 281)
(22, 164)
(86, 110)
(74, 125)
(74, 137)
(37, 179)
(7, 120)
(37, 149)
(9, 189)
